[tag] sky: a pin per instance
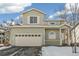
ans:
(10, 11)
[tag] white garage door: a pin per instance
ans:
(28, 39)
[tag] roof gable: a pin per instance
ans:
(65, 24)
(33, 9)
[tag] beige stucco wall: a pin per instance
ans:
(26, 15)
(26, 30)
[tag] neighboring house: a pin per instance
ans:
(76, 34)
(4, 36)
(36, 30)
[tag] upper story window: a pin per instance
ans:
(54, 23)
(33, 20)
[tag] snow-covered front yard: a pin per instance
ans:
(58, 51)
(54, 51)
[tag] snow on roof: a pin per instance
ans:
(54, 20)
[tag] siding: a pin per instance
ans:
(25, 19)
(77, 34)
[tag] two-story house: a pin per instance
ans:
(36, 30)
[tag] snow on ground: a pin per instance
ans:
(58, 51)
(4, 47)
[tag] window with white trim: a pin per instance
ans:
(52, 35)
(33, 20)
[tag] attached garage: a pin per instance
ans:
(24, 36)
(28, 39)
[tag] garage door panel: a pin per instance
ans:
(28, 41)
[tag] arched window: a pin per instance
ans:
(52, 35)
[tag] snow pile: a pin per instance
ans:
(4, 47)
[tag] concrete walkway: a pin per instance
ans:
(58, 51)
